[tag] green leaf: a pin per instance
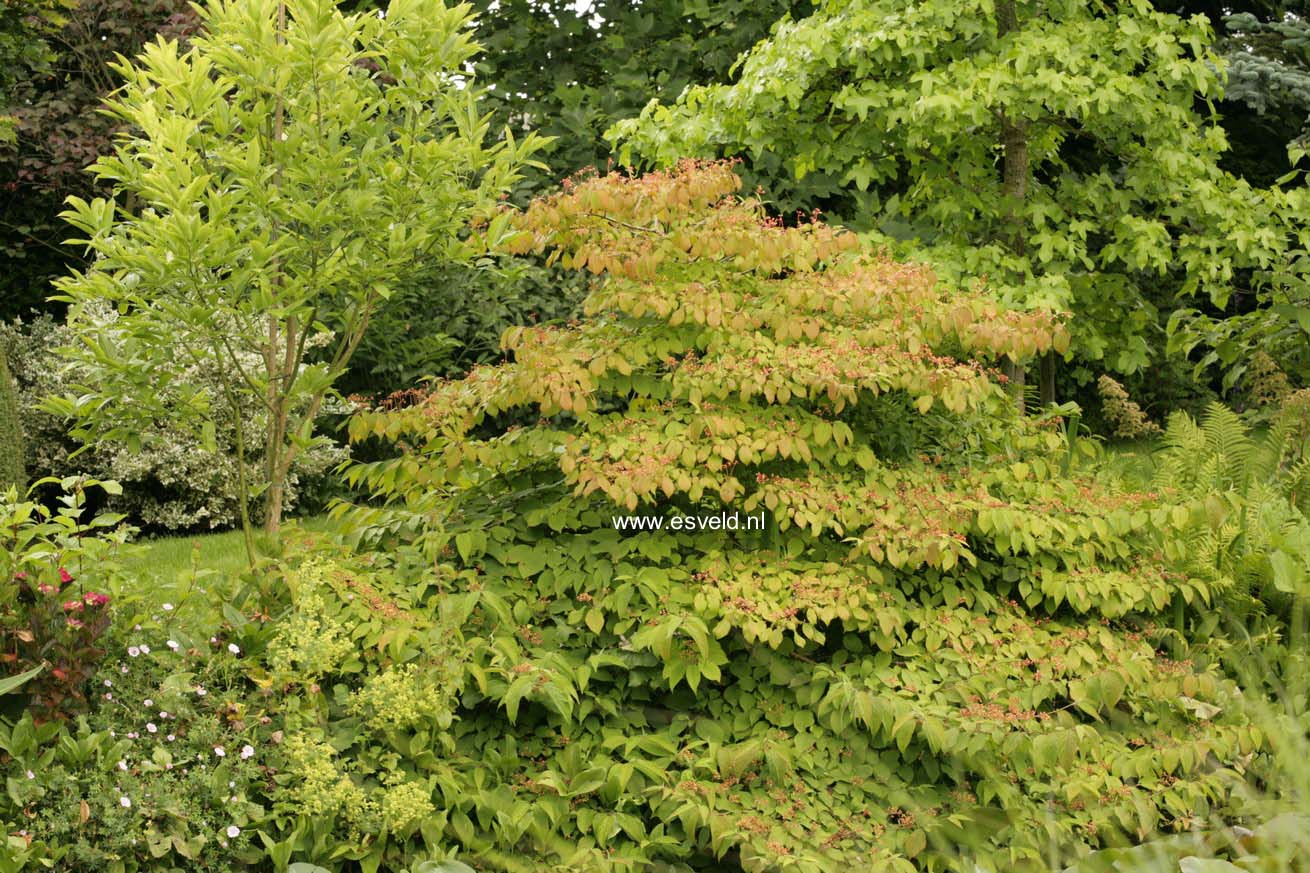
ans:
(1288, 572)
(1194, 864)
(447, 866)
(12, 683)
(916, 843)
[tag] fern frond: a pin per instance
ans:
(1227, 440)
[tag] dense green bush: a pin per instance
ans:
(171, 481)
(31, 359)
(940, 651)
(13, 465)
(448, 318)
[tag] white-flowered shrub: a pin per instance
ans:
(172, 481)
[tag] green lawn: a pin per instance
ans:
(196, 573)
(167, 558)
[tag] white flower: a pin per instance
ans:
(172, 644)
(200, 691)
(170, 738)
(133, 651)
(31, 775)
(168, 607)
(148, 702)
(145, 650)
(109, 684)
(150, 726)
(125, 803)
(122, 765)
(234, 648)
(218, 750)
(247, 751)
(163, 714)
(233, 831)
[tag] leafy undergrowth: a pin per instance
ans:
(939, 650)
(943, 649)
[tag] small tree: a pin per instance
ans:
(276, 180)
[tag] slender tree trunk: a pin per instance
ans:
(1047, 383)
(277, 393)
(243, 480)
(1015, 173)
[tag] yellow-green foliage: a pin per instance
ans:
(1121, 411)
(11, 431)
(364, 667)
(940, 652)
(310, 642)
(1266, 383)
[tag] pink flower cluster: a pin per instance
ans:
(93, 599)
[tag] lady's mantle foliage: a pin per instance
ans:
(941, 646)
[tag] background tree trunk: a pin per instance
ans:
(1015, 173)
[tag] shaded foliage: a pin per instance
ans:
(60, 131)
(571, 72)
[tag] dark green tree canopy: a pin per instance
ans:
(571, 72)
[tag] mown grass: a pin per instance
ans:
(193, 575)
(164, 558)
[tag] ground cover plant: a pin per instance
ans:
(940, 647)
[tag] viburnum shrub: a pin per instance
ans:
(939, 651)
